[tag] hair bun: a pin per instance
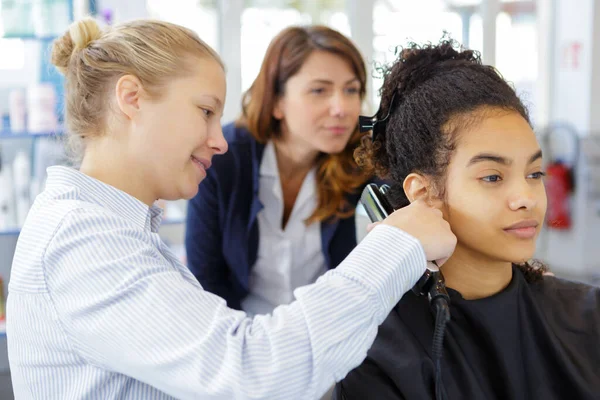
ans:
(80, 34)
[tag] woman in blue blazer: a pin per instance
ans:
(277, 210)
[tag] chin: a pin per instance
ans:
(189, 193)
(519, 251)
(184, 191)
(334, 149)
(521, 257)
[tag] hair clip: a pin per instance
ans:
(366, 124)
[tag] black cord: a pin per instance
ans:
(442, 316)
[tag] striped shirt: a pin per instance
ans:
(99, 308)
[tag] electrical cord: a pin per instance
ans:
(442, 316)
(439, 301)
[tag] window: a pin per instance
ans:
(259, 26)
(263, 20)
(397, 22)
(200, 16)
(517, 53)
(475, 32)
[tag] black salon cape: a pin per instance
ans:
(531, 341)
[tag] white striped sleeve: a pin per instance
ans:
(127, 309)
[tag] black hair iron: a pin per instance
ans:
(377, 206)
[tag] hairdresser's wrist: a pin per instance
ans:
(391, 262)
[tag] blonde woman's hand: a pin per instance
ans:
(428, 226)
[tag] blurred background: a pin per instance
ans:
(548, 49)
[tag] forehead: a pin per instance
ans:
(206, 77)
(505, 133)
(325, 65)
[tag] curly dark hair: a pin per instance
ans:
(437, 91)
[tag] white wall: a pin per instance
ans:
(595, 79)
(573, 62)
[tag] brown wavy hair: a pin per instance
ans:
(337, 174)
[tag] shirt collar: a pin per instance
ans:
(97, 192)
(268, 164)
(268, 168)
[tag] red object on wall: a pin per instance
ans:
(559, 186)
(572, 55)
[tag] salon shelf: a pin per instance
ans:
(33, 37)
(8, 134)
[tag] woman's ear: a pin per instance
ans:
(128, 90)
(417, 186)
(278, 109)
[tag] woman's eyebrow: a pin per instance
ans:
(482, 157)
(500, 159)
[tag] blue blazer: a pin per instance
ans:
(221, 235)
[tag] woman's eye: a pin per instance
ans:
(537, 175)
(206, 111)
(491, 178)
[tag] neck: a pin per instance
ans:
(293, 159)
(475, 276)
(106, 159)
